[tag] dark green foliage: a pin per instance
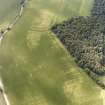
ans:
(84, 38)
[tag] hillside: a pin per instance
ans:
(35, 67)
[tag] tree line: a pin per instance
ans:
(84, 38)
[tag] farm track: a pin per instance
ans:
(15, 20)
(3, 97)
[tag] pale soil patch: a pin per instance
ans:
(103, 96)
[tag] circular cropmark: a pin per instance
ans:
(47, 14)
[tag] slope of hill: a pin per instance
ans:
(34, 66)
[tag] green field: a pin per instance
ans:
(36, 68)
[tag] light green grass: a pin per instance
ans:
(35, 67)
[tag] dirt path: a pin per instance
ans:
(17, 17)
(103, 96)
(3, 97)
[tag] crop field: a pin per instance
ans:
(35, 67)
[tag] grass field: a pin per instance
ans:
(35, 67)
